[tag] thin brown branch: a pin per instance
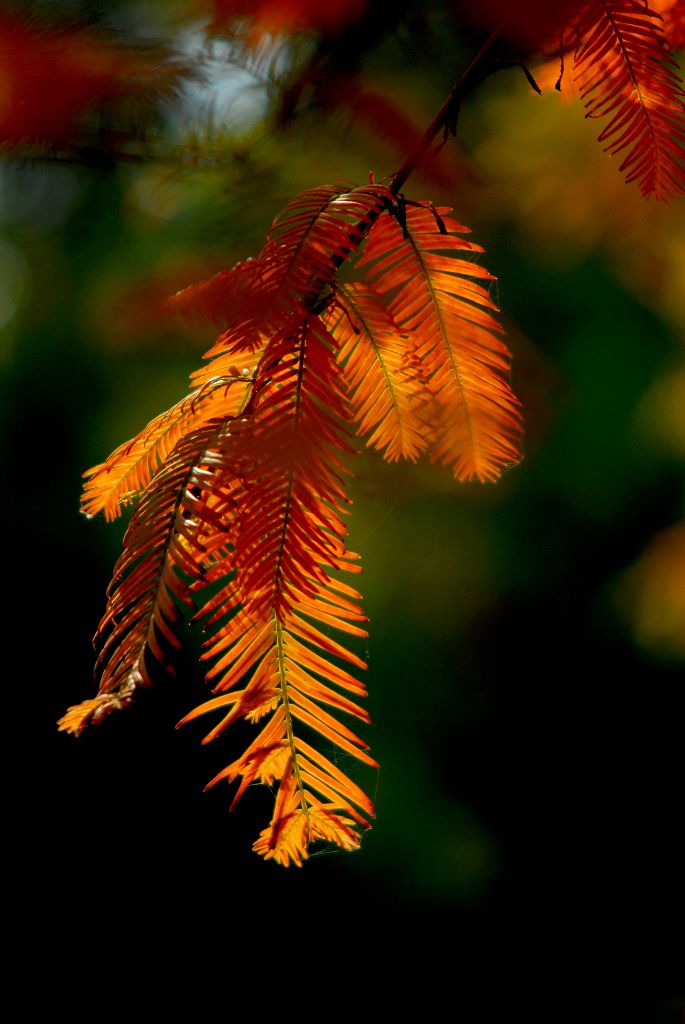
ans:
(445, 119)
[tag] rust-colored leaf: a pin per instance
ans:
(437, 296)
(242, 518)
(628, 75)
(385, 394)
(50, 76)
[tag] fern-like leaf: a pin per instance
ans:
(281, 598)
(243, 505)
(305, 246)
(385, 394)
(628, 74)
(291, 451)
(120, 479)
(161, 551)
(436, 296)
(289, 662)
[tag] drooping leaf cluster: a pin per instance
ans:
(242, 485)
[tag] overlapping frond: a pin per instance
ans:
(315, 234)
(119, 480)
(161, 558)
(226, 298)
(629, 75)
(385, 394)
(305, 246)
(159, 546)
(242, 518)
(291, 448)
(281, 597)
(294, 671)
(436, 296)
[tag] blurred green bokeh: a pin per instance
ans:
(526, 646)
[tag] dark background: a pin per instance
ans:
(525, 651)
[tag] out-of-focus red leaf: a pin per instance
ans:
(628, 74)
(227, 295)
(529, 24)
(128, 312)
(283, 17)
(673, 14)
(50, 76)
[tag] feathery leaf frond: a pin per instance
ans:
(435, 296)
(119, 480)
(242, 519)
(160, 549)
(290, 451)
(628, 74)
(305, 245)
(284, 684)
(279, 599)
(384, 392)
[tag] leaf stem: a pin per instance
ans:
(285, 697)
(444, 119)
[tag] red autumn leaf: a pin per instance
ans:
(284, 17)
(529, 24)
(50, 76)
